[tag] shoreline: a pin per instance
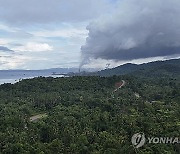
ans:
(15, 80)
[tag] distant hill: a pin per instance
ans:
(157, 68)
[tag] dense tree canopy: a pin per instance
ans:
(86, 115)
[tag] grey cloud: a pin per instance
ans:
(47, 11)
(137, 29)
(16, 44)
(20, 34)
(5, 49)
(3, 63)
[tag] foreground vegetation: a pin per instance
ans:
(85, 115)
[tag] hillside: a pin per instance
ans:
(86, 115)
(157, 68)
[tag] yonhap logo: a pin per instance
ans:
(138, 140)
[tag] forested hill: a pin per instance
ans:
(91, 114)
(157, 68)
(87, 115)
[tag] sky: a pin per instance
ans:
(41, 34)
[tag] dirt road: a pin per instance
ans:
(37, 117)
(119, 85)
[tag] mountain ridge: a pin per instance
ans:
(159, 68)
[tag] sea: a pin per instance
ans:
(17, 75)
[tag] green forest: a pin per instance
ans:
(88, 115)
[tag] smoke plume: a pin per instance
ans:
(136, 29)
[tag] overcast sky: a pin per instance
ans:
(40, 34)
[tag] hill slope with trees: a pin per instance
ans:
(85, 115)
(157, 68)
